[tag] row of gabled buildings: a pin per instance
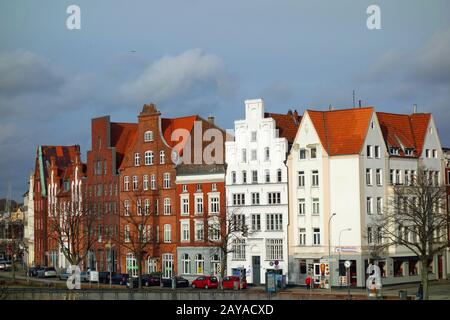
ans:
(306, 188)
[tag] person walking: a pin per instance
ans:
(308, 282)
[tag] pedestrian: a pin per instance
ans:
(308, 282)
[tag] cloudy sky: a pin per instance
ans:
(206, 57)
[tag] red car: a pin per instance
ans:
(229, 281)
(207, 282)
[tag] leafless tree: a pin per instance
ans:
(415, 217)
(232, 228)
(137, 232)
(71, 228)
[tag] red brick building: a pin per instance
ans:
(57, 158)
(109, 141)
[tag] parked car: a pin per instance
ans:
(229, 281)
(64, 275)
(5, 265)
(103, 277)
(47, 272)
(206, 282)
(84, 276)
(32, 272)
(149, 280)
(119, 278)
(180, 282)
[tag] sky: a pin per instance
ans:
(206, 57)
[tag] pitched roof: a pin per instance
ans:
(287, 124)
(404, 131)
(342, 131)
(172, 124)
(122, 135)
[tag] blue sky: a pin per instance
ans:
(206, 57)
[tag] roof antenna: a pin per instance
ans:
(354, 99)
(414, 108)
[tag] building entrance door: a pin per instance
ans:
(256, 267)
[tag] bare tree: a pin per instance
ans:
(71, 227)
(230, 229)
(416, 218)
(137, 233)
(12, 241)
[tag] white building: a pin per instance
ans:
(256, 190)
(29, 222)
(342, 166)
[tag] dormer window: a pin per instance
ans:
(148, 136)
(313, 153)
(409, 152)
(394, 151)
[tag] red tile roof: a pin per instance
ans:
(342, 131)
(170, 125)
(287, 124)
(404, 130)
(122, 135)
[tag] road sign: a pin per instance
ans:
(277, 262)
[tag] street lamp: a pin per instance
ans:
(329, 250)
(339, 259)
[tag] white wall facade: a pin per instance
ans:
(29, 227)
(266, 137)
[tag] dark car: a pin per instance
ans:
(103, 276)
(180, 282)
(149, 280)
(5, 265)
(119, 278)
(32, 272)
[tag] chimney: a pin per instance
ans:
(414, 108)
(330, 108)
(289, 112)
(211, 119)
(359, 103)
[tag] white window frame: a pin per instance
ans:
(148, 156)
(167, 233)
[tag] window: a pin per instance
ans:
(167, 264)
(369, 205)
(186, 263)
(238, 199)
(131, 264)
(239, 222)
(167, 233)
(379, 205)
(233, 177)
(315, 178)
(214, 187)
(398, 177)
(256, 222)
(407, 177)
(244, 176)
(379, 235)
(313, 153)
(274, 197)
(139, 207)
(166, 178)
(254, 176)
(301, 178)
(213, 230)
(162, 157)
(153, 182)
(274, 222)
(377, 152)
(199, 187)
(151, 265)
(185, 206)
(135, 183)
(147, 207)
(372, 125)
(301, 206)
(148, 158)
(244, 155)
(238, 248)
(391, 176)
(274, 249)
(199, 205)
(266, 154)
(255, 197)
(137, 159)
(267, 176)
(394, 151)
(214, 205)
(379, 177)
(126, 205)
(184, 188)
(409, 152)
(315, 206)
(428, 153)
(145, 186)
(148, 136)
(301, 236)
(302, 154)
(253, 155)
(185, 236)
(199, 231)
(316, 236)
(435, 153)
(369, 151)
(100, 233)
(167, 206)
(127, 233)
(199, 264)
(126, 183)
(253, 136)
(369, 235)
(279, 175)
(369, 177)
